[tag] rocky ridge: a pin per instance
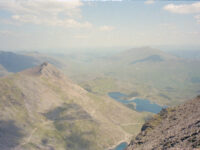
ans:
(172, 128)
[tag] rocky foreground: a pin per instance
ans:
(172, 128)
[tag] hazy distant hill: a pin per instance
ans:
(153, 74)
(175, 128)
(188, 54)
(152, 58)
(18, 61)
(142, 53)
(13, 62)
(40, 108)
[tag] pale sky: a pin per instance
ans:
(69, 24)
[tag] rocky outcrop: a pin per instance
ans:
(172, 128)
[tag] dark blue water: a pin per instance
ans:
(118, 96)
(141, 104)
(121, 146)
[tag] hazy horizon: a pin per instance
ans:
(79, 25)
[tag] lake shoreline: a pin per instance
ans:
(142, 105)
(126, 140)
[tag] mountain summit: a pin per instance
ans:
(44, 69)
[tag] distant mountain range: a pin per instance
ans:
(154, 74)
(16, 62)
(40, 108)
(152, 58)
(13, 62)
(188, 54)
(172, 128)
(141, 53)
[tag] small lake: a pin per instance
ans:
(121, 146)
(141, 104)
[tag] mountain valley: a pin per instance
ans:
(47, 110)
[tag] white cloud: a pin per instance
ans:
(193, 8)
(149, 1)
(47, 12)
(106, 28)
(183, 8)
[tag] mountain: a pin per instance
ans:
(40, 108)
(175, 128)
(18, 61)
(152, 58)
(154, 74)
(143, 54)
(13, 62)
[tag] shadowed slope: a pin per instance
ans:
(13, 62)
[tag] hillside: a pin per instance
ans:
(19, 61)
(14, 62)
(177, 127)
(142, 53)
(153, 74)
(40, 108)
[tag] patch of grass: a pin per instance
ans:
(132, 129)
(100, 85)
(53, 86)
(12, 99)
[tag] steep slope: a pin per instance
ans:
(40, 108)
(177, 127)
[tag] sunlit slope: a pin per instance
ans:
(40, 108)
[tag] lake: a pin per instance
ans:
(141, 104)
(121, 146)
